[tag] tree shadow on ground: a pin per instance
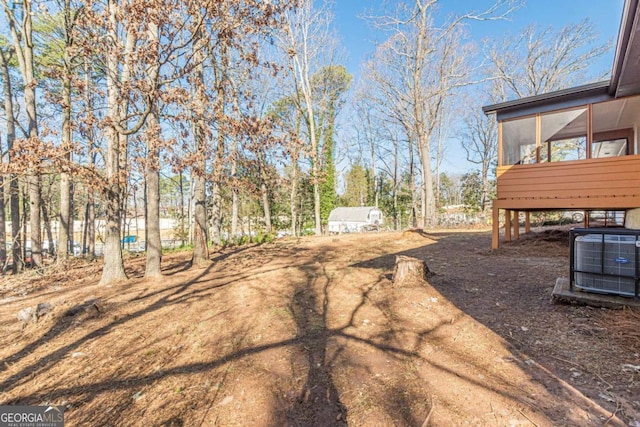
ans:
(323, 342)
(175, 294)
(486, 274)
(318, 403)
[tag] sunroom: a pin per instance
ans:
(576, 149)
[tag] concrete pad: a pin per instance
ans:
(563, 295)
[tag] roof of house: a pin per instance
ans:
(626, 69)
(359, 214)
(566, 98)
(625, 77)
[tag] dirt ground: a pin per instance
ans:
(312, 332)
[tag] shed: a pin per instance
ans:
(351, 220)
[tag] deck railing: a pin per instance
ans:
(612, 182)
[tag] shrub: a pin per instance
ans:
(265, 238)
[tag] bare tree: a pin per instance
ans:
(479, 140)
(416, 69)
(540, 61)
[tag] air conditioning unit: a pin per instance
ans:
(605, 262)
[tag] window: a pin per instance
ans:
(611, 148)
(519, 141)
(614, 124)
(561, 135)
(564, 135)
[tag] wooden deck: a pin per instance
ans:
(611, 183)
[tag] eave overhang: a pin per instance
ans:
(561, 99)
(625, 75)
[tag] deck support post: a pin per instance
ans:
(516, 225)
(495, 228)
(527, 222)
(507, 225)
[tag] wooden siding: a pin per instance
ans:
(606, 183)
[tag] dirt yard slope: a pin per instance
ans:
(312, 332)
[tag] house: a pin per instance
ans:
(574, 149)
(352, 220)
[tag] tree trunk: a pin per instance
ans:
(3, 222)
(90, 217)
(200, 238)
(397, 222)
(91, 225)
(70, 236)
(31, 109)
(216, 187)
(23, 221)
(374, 174)
(190, 207)
(198, 173)
(23, 45)
(64, 245)
(216, 213)
(316, 202)
(8, 112)
(294, 195)
(264, 191)
(302, 65)
(46, 220)
(216, 196)
(485, 186)
(65, 218)
(16, 237)
(412, 183)
(153, 241)
(221, 70)
(234, 189)
(234, 211)
(35, 202)
(14, 192)
(35, 207)
(266, 206)
(113, 269)
(85, 228)
(429, 205)
(182, 216)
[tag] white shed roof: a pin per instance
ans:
(359, 214)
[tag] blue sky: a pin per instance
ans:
(358, 38)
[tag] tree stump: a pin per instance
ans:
(409, 270)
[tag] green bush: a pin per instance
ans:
(240, 240)
(265, 238)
